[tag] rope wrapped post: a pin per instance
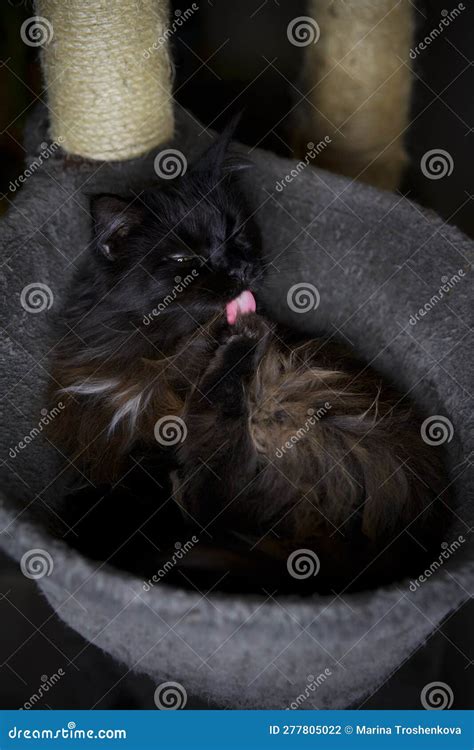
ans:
(357, 79)
(108, 75)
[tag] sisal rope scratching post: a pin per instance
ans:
(357, 71)
(108, 75)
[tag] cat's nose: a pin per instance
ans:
(243, 272)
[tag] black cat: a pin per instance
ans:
(264, 445)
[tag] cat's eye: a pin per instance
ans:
(181, 258)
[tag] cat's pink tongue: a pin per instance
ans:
(241, 305)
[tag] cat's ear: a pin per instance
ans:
(237, 163)
(113, 219)
(214, 159)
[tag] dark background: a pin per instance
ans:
(233, 56)
(222, 59)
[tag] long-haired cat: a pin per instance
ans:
(256, 441)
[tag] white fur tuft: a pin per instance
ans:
(130, 409)
(91, 387)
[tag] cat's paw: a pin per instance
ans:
(251, 326)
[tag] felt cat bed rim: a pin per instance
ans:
(122, 583)
(63, 593)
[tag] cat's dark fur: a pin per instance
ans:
(291, 443)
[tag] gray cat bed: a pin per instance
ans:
(375, 259)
